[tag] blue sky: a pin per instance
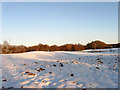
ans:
(31, 23)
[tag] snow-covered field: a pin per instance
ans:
(61, 69)
(0, 78)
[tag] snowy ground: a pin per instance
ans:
(61, 69)
(0, 78)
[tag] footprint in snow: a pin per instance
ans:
(40, 69)
(36, 62)
(24, 64)
(67, 63)
(27, 72)
(97, 68)
(74, 83)
(58, 61)
(99, 62)
(61, 65)
(50, 72)
(71, 75)
(54, 65)
(4, 80)
(31, 74)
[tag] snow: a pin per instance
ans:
(61, 69)
(0, 78)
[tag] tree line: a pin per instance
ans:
(6, 48)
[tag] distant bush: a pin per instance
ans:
(114, 45)
(77, 47)
(72, 47)
(54, 48)
(6, 48)
(14, 49)
(0, 48)
(96, 45)
(17, 49)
